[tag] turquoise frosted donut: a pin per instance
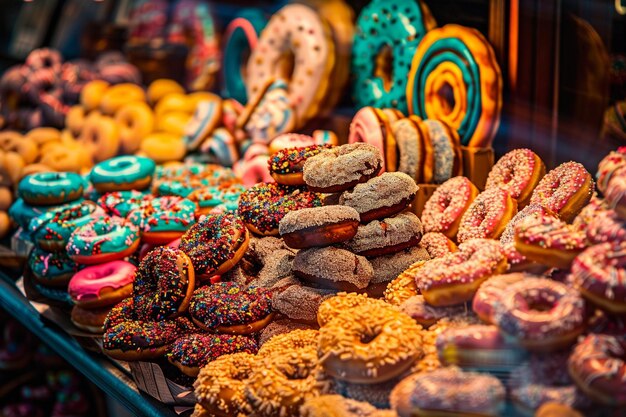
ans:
(53, 269)
(240, 38)
(123, 173)
(164, 219)
(50, 188)
(121, 203)
(399, 26)
(22, 213)
(52, 230)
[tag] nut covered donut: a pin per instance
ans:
(264, 205)
(518, 173)
(318, 226)
(444, 209)
(487, 216)
(295, 29)
(457, 61)
(163, 284)
(215, 244)
(369, 343)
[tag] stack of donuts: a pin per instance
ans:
(39, 92)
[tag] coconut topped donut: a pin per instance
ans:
(334, 268)
(381, 196)
(381, 237)
(341, 168)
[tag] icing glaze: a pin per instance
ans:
(102, 235)
(22, 213)
(121, 203)
(58, 224)
(206, 117)
(87, 283)
(164, 214)
(47, 265)
(123, 171)
(51, 188)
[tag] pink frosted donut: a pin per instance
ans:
(367, 126)
(491, 291)
(445, 208)
(102, 285)
(541, 314)
(517, 261)
(518, 173)
(437, 244)
(290, 140)
(608, 165)
(606, 226)
(231, 109)
(487, 216)
(254, 170)
(601, 275)
(427, 315)
(615, 194)
(44, 58)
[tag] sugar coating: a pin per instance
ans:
(608, 166)
(343, 164)
(299, 302)
(556, 189)
(443, 150)
(404, 286)
(261, 248)
(316, 217)
(388, 267)
(447, 204)
(386, 190)
(388, 232)
(279, 327)
(606, 226)
(513, 172)
(595, 207)
(484, 215)
(334, 264)
(276, 267)
(196, 350)
(411, 151)
(436, 244)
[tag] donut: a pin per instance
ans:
(597, 367)
(116, 96)
(240, 39)
(436, 244)
(263, 206)
(206, 117)
(100, 137)
(102, 240)
(415, 151)
(90, 320)
(226, 307)
(389, 267)
(139, 340)
(369, 343)
(540, 314)
(135, 121)
(121, 72)
(51, 230)
(231, 110)
(604, 226)
(163, 219)
(455, 78)
(22, 213)
(122, 173)
(549, 241)
(491, 292)
(600, 273)
(455, 278)
(161, 87)
(51, 188)
(607, 167)
(554, 409)
(386, 38)
(426, 315)
(286, 165)
(215, 244)
(121, 312)
(91, 94)
(387, 236)
(25, 146)
(177, 102)
(518, 173)
(75, 119)
(318, 226)
(338, 406)
(341, 168)
(382, 196)
(280, 327)
(121, 203)
(372, 126)
(221, 385)
(445, 208)
(42, 82)
(333, 268)
(291, 140)
(221, 147)
(340, 303)
(565, 190)
(296, 301)
(487, 216)
(50, 268)
(66, 157)
(299, 339)
(449, 391)
(299, 31)
(192, 352)
(102, 285)
(224, 195)
(325, 137)
(162, 147)
(446, 150)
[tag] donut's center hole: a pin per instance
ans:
(541, 305)
(367, 338)
(446, 98)
(384, 66)
(124, 164)
(286, 65)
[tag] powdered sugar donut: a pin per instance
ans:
(416, 157)
(387, 236)
(518, 172)
(446, 149)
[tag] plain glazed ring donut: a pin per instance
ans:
(387, 31)
(487, 216)
(100, 136)
(369, 343)
(387, 236)
(518, 173)
(299, 30)
(136, 121)
(458, 61)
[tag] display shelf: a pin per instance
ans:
(101, 371)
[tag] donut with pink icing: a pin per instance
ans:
(487, 216)
(369, 125)
(518, 173)
(102, 285)
(615, 194)
(608, 166)
(490, 293)
(437, 244)
(253, 170)
(541, 314)
(606, 226)
(445, 208)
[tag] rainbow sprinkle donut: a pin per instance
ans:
(455, 78)
(387, 28)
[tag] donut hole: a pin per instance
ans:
(446, 98)
(384, 66)
(368, 337)
(285, 66)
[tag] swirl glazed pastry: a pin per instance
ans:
(384, 237)
(382, 196)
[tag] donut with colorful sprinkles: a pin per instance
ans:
(164, 219)
(139, 340)
(517, 172)
(121, 203)
(51, 269)
(487, 216)
(286, 165)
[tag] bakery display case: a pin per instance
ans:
(313, 208)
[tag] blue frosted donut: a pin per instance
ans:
(123, 173)
(22, 213)
(396, 27)
(51, 269)
(50, 188)
(240, 38)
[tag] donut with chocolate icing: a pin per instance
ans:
(318, 226)
(138, 340)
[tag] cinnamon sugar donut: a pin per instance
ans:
(445, 208)
(318, 226)
(298, 302)
(437, 244)
(487, 216)
(384, 237)
(518, 173)
(341, 168)
(388, 267)
(333, 268)
(382, 196)
(369, 343)
(446, 149)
